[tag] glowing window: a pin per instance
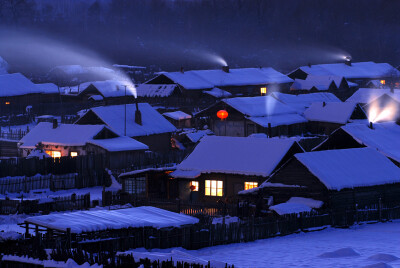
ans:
(54, 154)
(263, 90)
(194, 186)
(74, 154)
(383, 82)
(7, 102)
(250, 185)
(214, 188)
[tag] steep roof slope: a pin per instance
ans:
(349, 168)
(333, 112)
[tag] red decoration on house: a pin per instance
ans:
(222, 114)
(192, 187)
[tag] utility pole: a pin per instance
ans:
(125, 113)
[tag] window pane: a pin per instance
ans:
(219, 192)
(207, 191)
(208, 183)
(214, 184)
(220, 184)
(213, 191)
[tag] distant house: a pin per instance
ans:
(242, 81)
(179, 119)
(364, 96)
(340, 178)
(383, 137)
(74, 140)
(142, 122)
(164, 94)
(248, 115)
(220, 167)
(357, 72)
(314, 83)
(327, 117)
(17, 92)
(301, 102)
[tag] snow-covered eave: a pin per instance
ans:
(134, 172)
(229, 172)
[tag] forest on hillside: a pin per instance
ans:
(175, 33)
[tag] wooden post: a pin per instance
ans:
(68, 238)
(27, 235)
(380, 209)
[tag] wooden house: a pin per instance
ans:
(346, 178)
(220, 167)
(324, 118)
(248, 115)
(149, 183)
(358, 72)
(17, 93)
(179, 119)
(242, 81)
(169, 95)
(73, 140)
(139, 121)
(383, 137)
(318, 83)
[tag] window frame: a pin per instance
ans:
(214, 188)
(250, 185)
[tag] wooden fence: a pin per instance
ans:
(15, 135)
(8, 206)
(175, 205)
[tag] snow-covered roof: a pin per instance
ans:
(100, 220)
(312, 203)
(384, 137)
(368, 69)
(234, 155)
(16, 84)
(259, 106)
(48, 88)
(207, 79)
(155, 90)
(41, 154)
(119, 144)
(278, 120)
(3, 66)
(366, 95)
(64, 134)
(177, 115)
(109, 88)
(302, 101)
(290, 208)
(152, 121)
(218, 93)
(349, 168)
(333, 112)
(300, 84)
(96, 98)
(197, 135)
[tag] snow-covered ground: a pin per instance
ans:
(368, 245)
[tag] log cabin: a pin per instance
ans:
(342, 179)
(73, 140)
(179, 119)
(142, 122)
(383, 137)
(220, 167)
(248, 115)
(324, 118)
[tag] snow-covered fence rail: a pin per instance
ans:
(26, 184)
(62, 203)
(12, 134)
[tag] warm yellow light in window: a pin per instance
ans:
(54, 154)
(383, 82)
(7, 102)
(74, 154)
(250, 185)
(214, 188)
(194, 186)
(263, 90)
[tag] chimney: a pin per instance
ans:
(371, 126)
(138, 114)
(323, 104)
(225, 69)
(391, 89)
(182, 70)
(269, 130)
(347, 61)
(309, 65)
(55, 123)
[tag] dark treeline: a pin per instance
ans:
(174, 33)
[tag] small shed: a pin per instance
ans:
(179, 119)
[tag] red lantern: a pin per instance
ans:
(222, 114)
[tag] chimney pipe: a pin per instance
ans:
(182, 70)
(391, 89)
(371, 126)
(55, 123)
(323, 104)
(309, 65)
(138, 114)
(269, 130)
(225, 69)
(348, 61)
